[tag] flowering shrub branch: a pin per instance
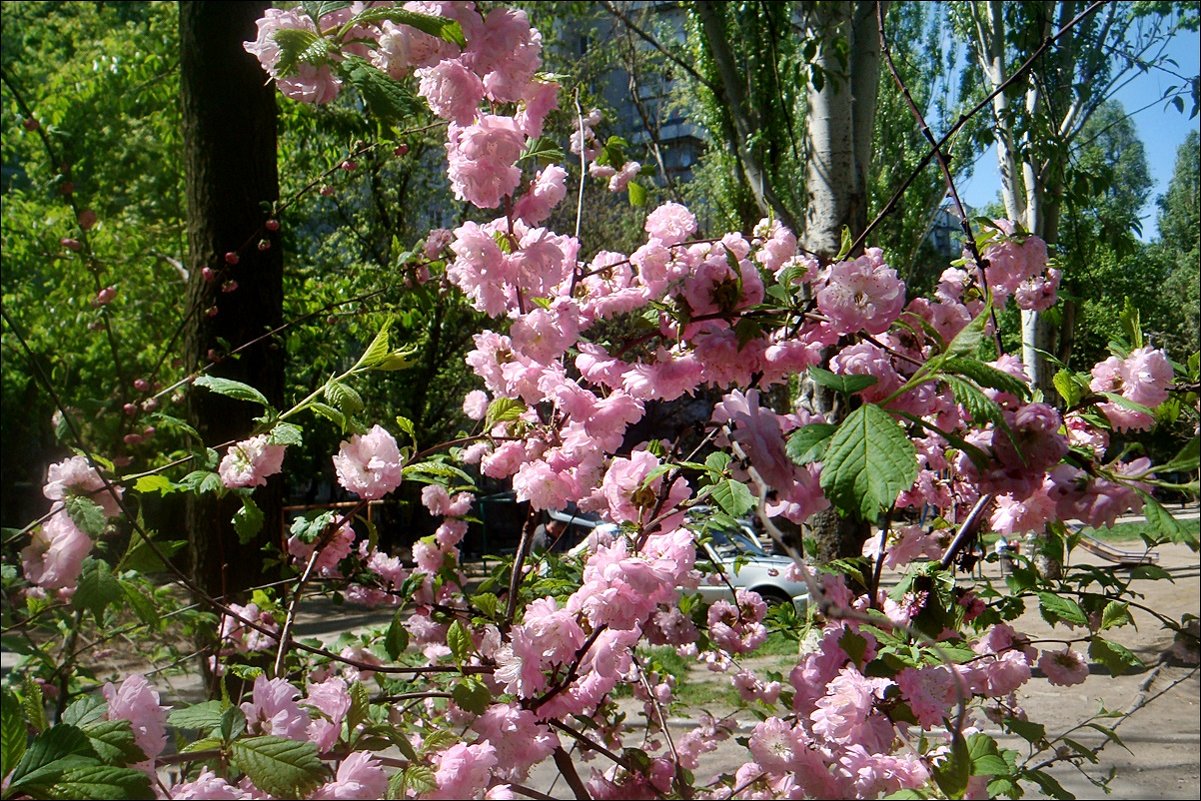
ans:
(475, 686)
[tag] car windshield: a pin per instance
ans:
(734, 543)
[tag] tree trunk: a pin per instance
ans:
(229, 118)
(839, 135)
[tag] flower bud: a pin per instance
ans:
(231, 258)
(148, 431)
(141, 384)
(229, 286)
(87, 219)
(209, 274)
(326, 190)
(132, 439)
(401, 150)
(67, 188)
(70, 244)
(264, 244)
(150, 404)
(272, 225)
(130, 409)
(349, 165)
(211, 311)
(105, 296)
(30, 124)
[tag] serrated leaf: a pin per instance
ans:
(142, 606)
(868, 462)
(406, 425)
(1049, 785)
(459, 641)
(96, 588)
(344, 397)
(953, 772)
(807, 444)
(987, 376)
(113, 742)
(636, 193)
(1161, 522)
(387, 99)
(379, 349)
(33, 704)
(503, 410)
(86, 514)
(101, 782)
(232, 389)
(360, 703)
(980, 408)
(286, 434)
(447, 30)
(1055, 608)
(205, 716)
(1027, 730)
(1069, 387)
(293, 44)
(846, 384)
(1116, 658)
(396, 640)
(280, 767)
(13, 734)
(329, 413)
(542, 149)
(1115, 613)
(153, 484)
(717, 462)
(413, 780)
(845, 242)
(50, 754)
(968, 340)
(734, 498)
(472, 695)
(248, 521)
(436, 469)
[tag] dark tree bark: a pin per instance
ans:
(229, 118)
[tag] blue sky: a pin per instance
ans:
(1161, 130)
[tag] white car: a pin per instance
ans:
(735, 550)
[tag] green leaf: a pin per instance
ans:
(868, 462)
(987, 376)
(13, 734)
(1131, 325)
(980, 407)
(378, 350)
(1161, 522)
(114, 743)
(846, 384)
(636, 193)
(807, 444)
(50, 754)
(436, 469)
(1055, 608)
(968, 340)
(101, 782)
(459, 641)
(279, 767)
(1030, 732)
(360, 705)
(953, 772)
(1117, 659)
(1049, 785)
(96, 589)
(397, 638)
(294, 44)
(1185, 461)
(472, 695)
(503, 410)
(447, 30)
(286, 434)
(33, 704)
(1070, 387)
(1115, 613)
(344, 397)
(141, 556)
(154, 484)
(329, 413)
(413, 780)
(406, 425)
(205, 716)
(232, 389)
(86, 711)
(248, 521)
(734, 498)
(87, 515)
(844, 247)
(542, 149)
(387, 99)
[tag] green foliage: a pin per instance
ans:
(283, 768)
(868, 462)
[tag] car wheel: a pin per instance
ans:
(773, 597)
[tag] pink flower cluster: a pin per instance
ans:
(250, 462)
(369, 464)
(1141, 378)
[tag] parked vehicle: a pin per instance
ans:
(735, 550)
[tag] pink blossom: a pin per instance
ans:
(75, 476)
(930, 691)
(463, 771)
(360, 776)
(538, 100)
(1038, 293)
(136, 701)
(54, 557)
(843, 711)
(864, 358)
(369, 464)
(452, 91)
(519, 739)
(670, 224)
(758, 431)
(435, 498)
(273, 710)
(775, 745)
(862, 295)
(1063, 668)
(621, 179)
(475, 404)
(542, 486)
(481, 158)
(547, 190)
(207, 785)
(332, 700)
(309, 83)
(240, 636)
(250, 462)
